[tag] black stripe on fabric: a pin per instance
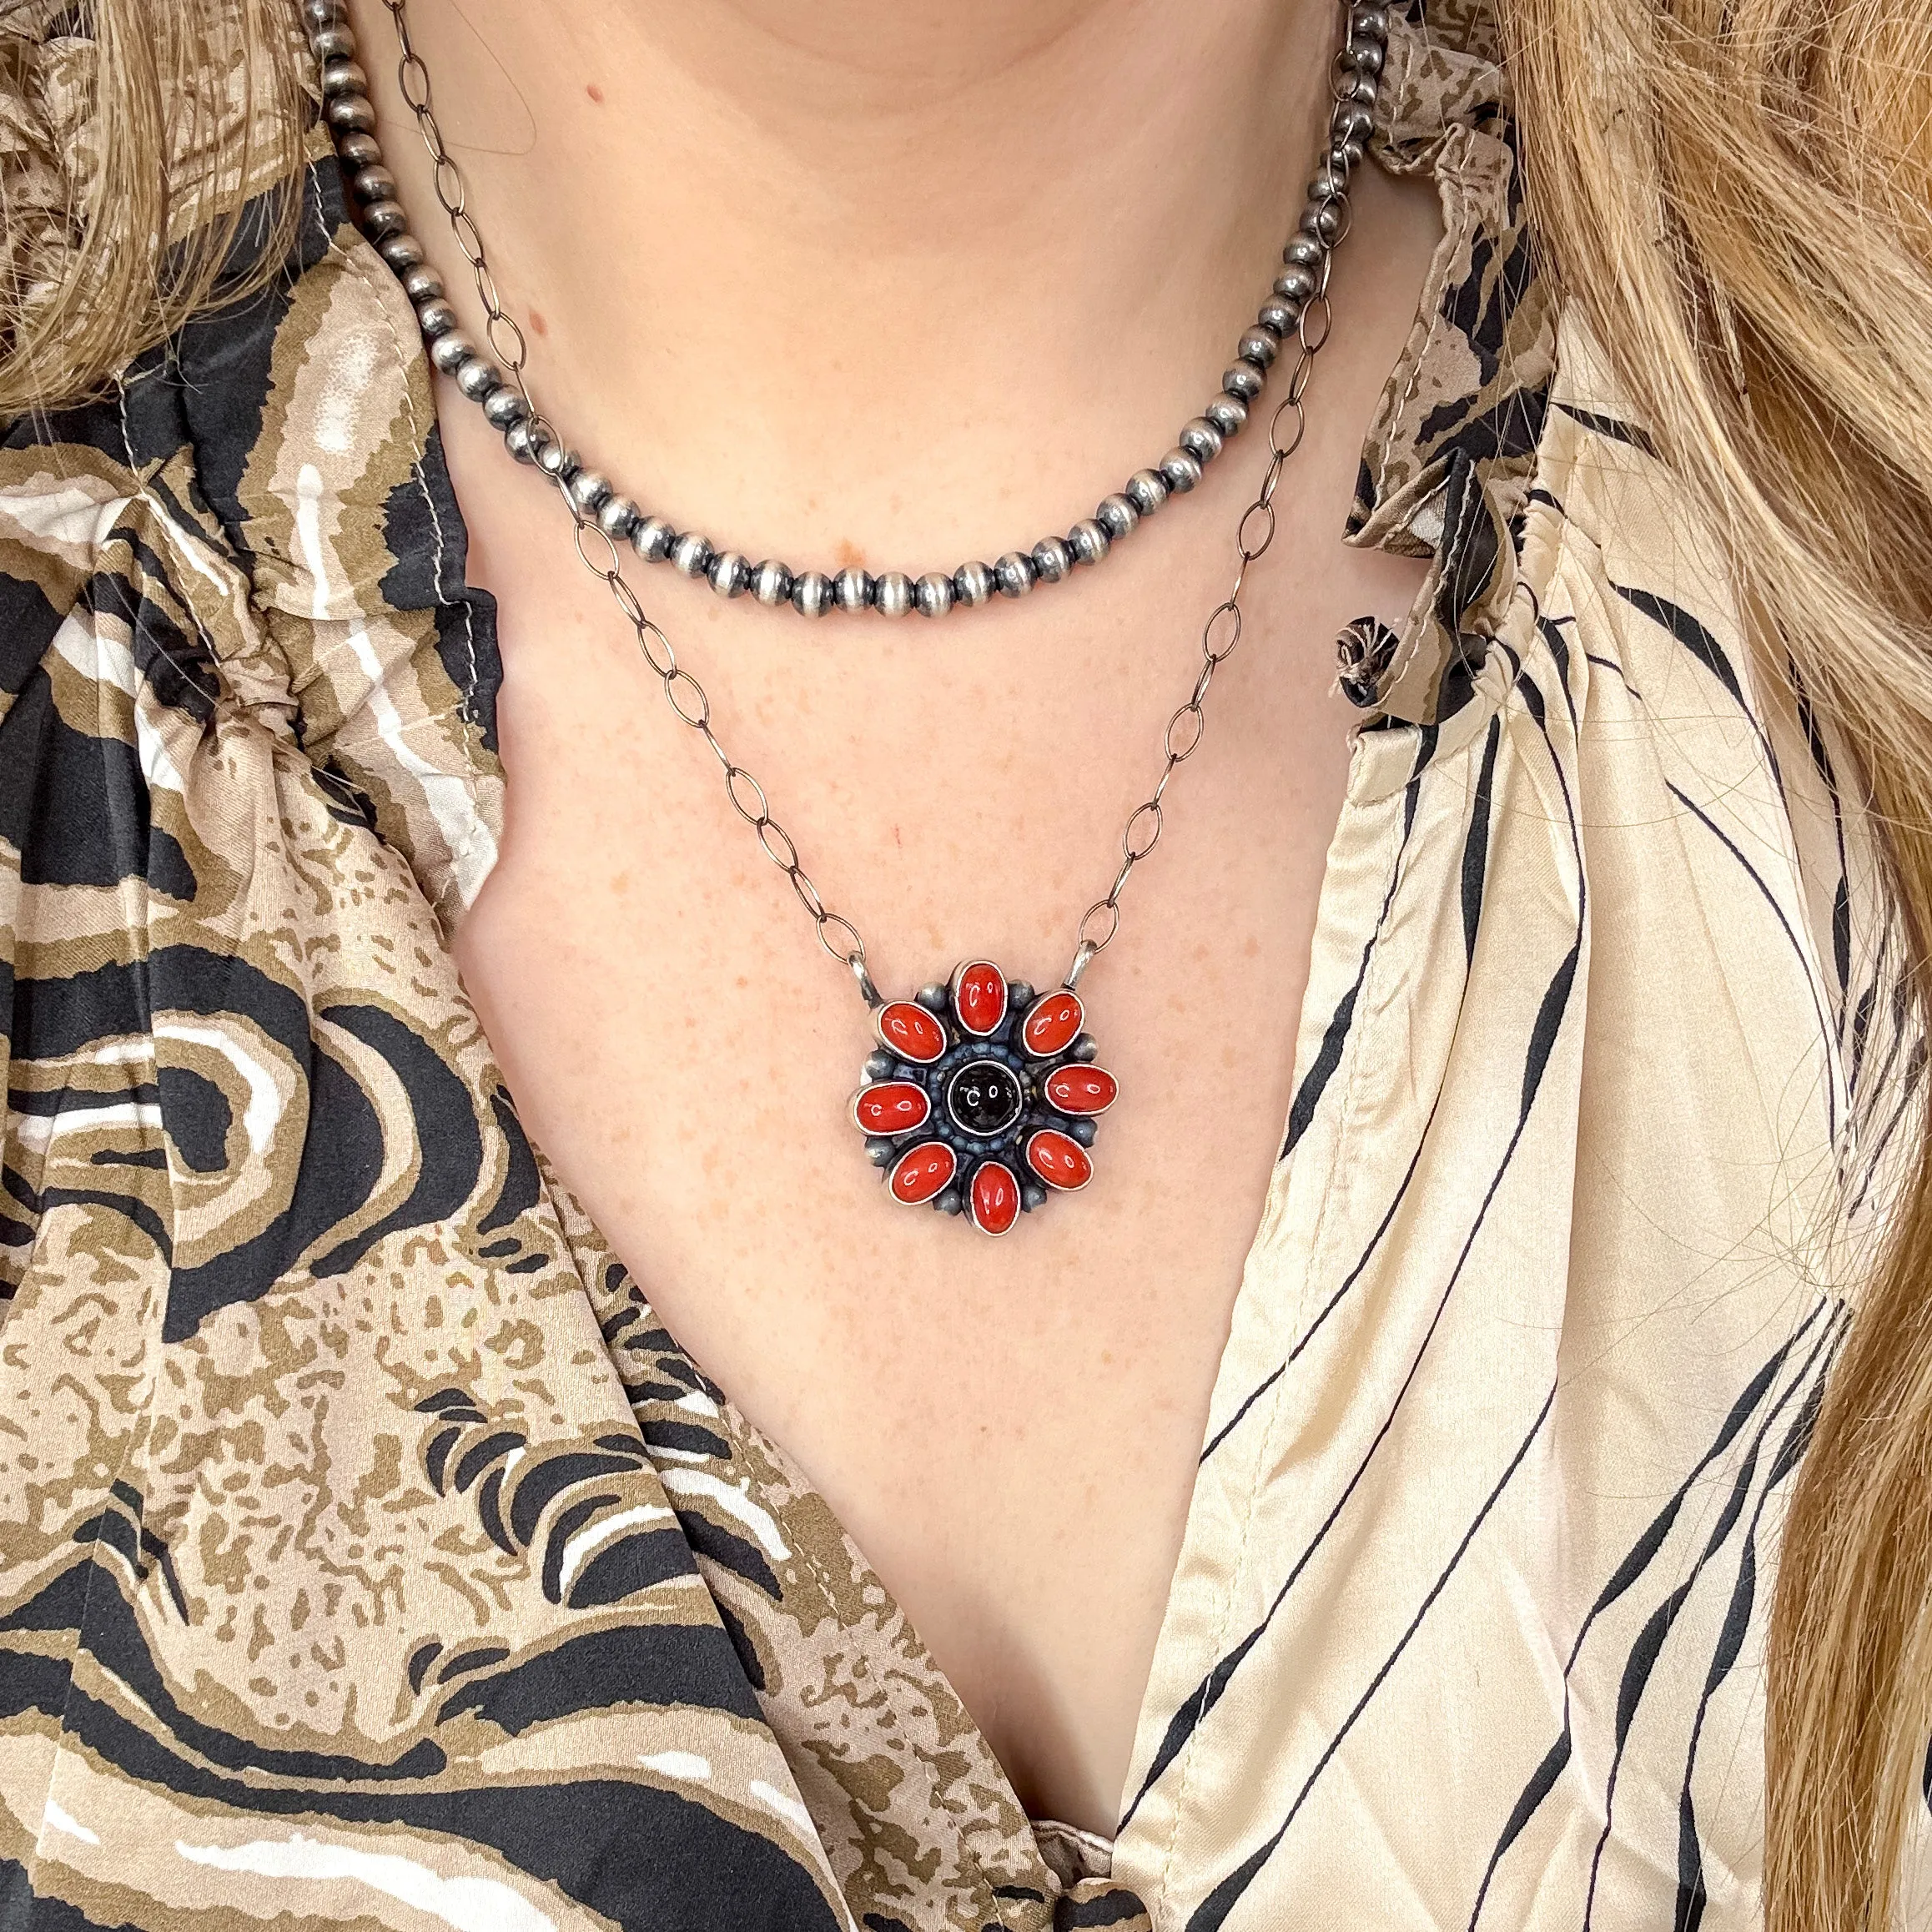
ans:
(1328, 1057)
(1642, 1663)
(1329, 1306)
(1611, 664)
(1898, 1014)
(1551, 630)
(1610, 426)
(636, 1853)
(1818, 1003)
(1550, 1010)
(23, 1910)
(1697, 639)
(1188, 1718)
(1120, 1908)
(1476, 846)
(1692, 1896)
(1905, 1108)
(1211, 1914)
(1841, 894)
(1638, 1559)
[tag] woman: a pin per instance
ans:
(1447, 1447)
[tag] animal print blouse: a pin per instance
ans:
(371, 1558)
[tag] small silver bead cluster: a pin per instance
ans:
(1323, 222)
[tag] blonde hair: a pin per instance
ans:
(1738, 195)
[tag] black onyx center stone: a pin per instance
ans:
(983, 1097)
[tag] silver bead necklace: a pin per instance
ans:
(773, 584)
(981, 1096)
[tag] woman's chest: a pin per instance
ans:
(1008, 1427)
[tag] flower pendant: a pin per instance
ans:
(981, 1099)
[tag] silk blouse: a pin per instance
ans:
(371, 1557)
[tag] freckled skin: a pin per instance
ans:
(863, 323)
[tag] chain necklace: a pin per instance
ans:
(982, 1095)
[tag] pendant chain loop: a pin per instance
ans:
(1219, 635)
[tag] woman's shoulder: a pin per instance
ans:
(253, 519)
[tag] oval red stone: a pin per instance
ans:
(1052, 1023)
(890, 1107)
(1058, 1159)
(922, 1171)
(995, 1198)
(980, 997)
(1074, 1089)
(906, 1029)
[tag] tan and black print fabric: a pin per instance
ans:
(371, 1558)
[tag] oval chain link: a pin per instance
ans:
(837, 934)
(686, 697)
(1220, 633)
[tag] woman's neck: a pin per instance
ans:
(798, 272)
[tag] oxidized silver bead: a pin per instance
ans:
(421, 283)
(1325, 220)
(557, 461)
(1327, 185)
(692, 553)
(1369, 22)
(358, 150)
(1352, 121)
(1088, 541)
(524, 440)
(384, 218)
(852, 588)
(1365, 56)
(934, 594)
(350, 113)
(1258, 346)
(323, 14)
(450, 350)
(972, 585)
(589, 490)
(730, 574)
(1051, 559)
(1345, 156)
(1116, 515)
(343, 77)
(503, 407)
(1147, 490)
(1241, 378)
(332, 43)
(616, 516)
(1280, 313)
(1013, 574)
(1181, 470)
(771, 583)
(1297, 282)
(1365, 90)
(477, 377)
(373, 183)
(652, 539)
(1306, 250)
(402, 251)
(1229, 414)
(812, 594)
(1200, 439)
(435, 318)
(892, 595)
